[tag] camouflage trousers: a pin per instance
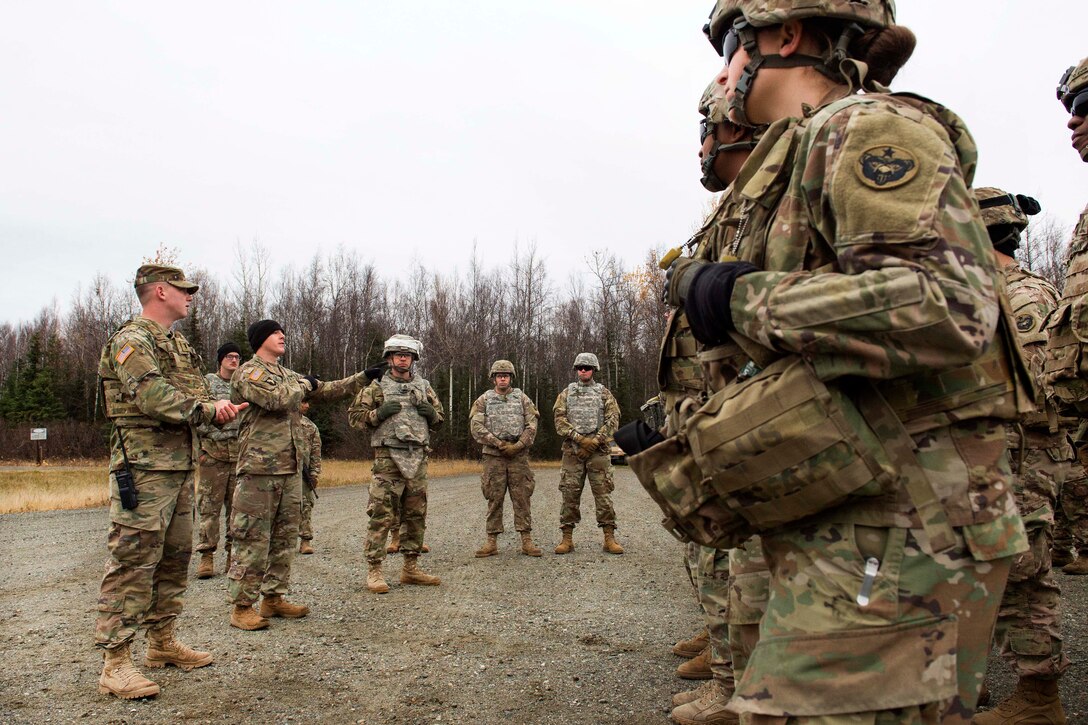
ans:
(1071, 526)
(712, 577)
(305, 523)
(914, 652)
(149, 551)
(749, 580)
(503, 474)
(1029, 621)
(264, 527)
(393, 499)
(572, 480)
(215, 482)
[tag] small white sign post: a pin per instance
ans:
(39, 435)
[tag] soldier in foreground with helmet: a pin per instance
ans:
(586, 418)
(504, 421)
(400, 410)
(311, 473)
(1067, 354)
(268, 495)
(1029, 621)
(215, 476)
(869, 292)
(155, 397)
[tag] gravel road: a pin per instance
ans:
(581, 638)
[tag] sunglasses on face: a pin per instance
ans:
(725, 45)
(583, 368)
(1077, 105)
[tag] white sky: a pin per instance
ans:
(406, 130)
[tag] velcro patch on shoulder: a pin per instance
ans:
(886, 167)
(123, 354)
(1025, 323)
(256, 374)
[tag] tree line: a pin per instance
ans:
(337, 311)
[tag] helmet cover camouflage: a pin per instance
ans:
(1001, 207)
(765, 13)
(502, 366)
(1073, 81)
(587, 358)
(405, 344)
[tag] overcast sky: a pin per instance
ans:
(407, 130)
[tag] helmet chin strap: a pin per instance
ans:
(710, 180)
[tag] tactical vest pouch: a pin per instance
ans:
(1065, 363)
(780, 447)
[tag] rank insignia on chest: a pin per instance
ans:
(256, 374)
(123, 355)
(886, 167)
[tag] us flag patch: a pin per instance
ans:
(123, 355)
(256, 374)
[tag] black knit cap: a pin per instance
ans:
(226, 349)
(259, 331)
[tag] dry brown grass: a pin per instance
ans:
(84, 484)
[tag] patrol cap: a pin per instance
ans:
(149, 273)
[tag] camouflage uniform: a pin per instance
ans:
(510, 418)
(898, 288)
(153, 392)
(311, 473)
(601, 418)
(216, 473)
(268, 496)
(401, 445)
(1029, 621)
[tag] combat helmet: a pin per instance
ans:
(1005, 216)
(715, 111)
(587, 358)
(502, 366)
(733, 22)
(1073, 93)
(403, 343)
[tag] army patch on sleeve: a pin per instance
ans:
(256, 374)
(886, 167)
(124, 353)
(1025, 323)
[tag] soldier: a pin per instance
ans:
(268, 496)
(869, 276)
(1029, 621)
(215, 476)
(1066, 353)
(400, 410)
(586, 417)
(154, 395)
(311, 472)
(504, 421)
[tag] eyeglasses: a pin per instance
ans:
(232, 356)
(583, 368)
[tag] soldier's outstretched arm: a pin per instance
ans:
(138, 370)
(336, 389)
(256, 387)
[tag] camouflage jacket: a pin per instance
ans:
(1066, 367)
(311, 451)
(875, 264)
(220, 443)
(485, 428)
(153, 390)
(610, 415)
(1032, 299)
(271, 434)
(362, 414)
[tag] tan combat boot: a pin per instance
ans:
(689, 648)
(121, 678)
(424, 549)
(1060, 556)
(163, 649)
(304, 546)
(1033, 701)
(707, 710)
(412, 574)
(527, 546)
(375, 582)
(244, 616)
(1078, 567)
(683, 698)
(697, 668)
(567, 544)
(274, 605)
(610, 544)
(490, 548)
(394, 542)
(206, 568)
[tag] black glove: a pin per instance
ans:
(313, 380)
(707, 301)
(636, 436)
(427, 411)
(376, 371)
(678, 279)
(387, 409)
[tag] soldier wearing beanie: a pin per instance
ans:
(155, 397)
(215, 473)
(268, 495)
